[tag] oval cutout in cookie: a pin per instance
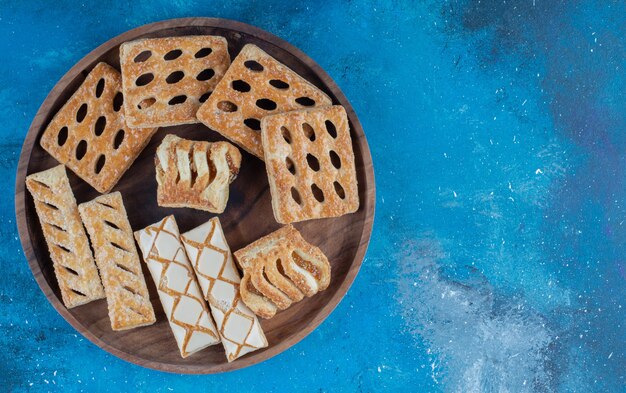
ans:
(291, 167)
(175, 77)
(309, 132)
(204, 52)
(279, 84)
(81, 113)
(118, 101)
(227, 106)
(296, 196)
(81, 150)
(144, 79)
(253, 65)
(100, 125)
(334, 159)
(100, 163)
(143, 56)
(146, 103)
(339, 190)
(266, 104)
(313, 162)
(241, 86)
(286, 134)
(62, 136)
(99, 87)
(177, 100)
(119, 138)
(305, 101)
(172, 55)
(317, 192)
(205, 75)
(331, 129)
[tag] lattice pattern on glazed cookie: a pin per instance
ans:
(167, 79)
(180, 296)
(195, 174)
(255, 86)
(219, 279)
(111, 236)
(89, 134)
(71, 256)
(310, 164)
(280, 269)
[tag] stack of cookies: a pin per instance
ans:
(257, 103)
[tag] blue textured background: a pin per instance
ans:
(498, 258)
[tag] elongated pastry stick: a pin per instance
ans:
(67, 242)
(217, 274)
(180, 296)
(116, 256)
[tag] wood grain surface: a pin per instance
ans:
(248, 215)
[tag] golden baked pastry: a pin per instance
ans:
(89, 134)
(167, 79)
(255, 86)
(182, 301)
(310, 164)
(111, 236)
(195, 174)
(71, 256)
(280, 269)
(219, 279)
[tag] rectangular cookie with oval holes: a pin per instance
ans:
(310, 164)
(89, 134)
(73, 262)
(111, 236)
(167, 79)
(279, 270)
(195, 174)
(255, 86)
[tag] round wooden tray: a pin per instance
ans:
(248, 215)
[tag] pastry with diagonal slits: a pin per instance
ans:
(310, 164)
(71, 256)
(167, 79)
(195, 174)
(279, 270)
(219, 279)
(89, 134)
(255, 85)
(111, 236)
(180, 295)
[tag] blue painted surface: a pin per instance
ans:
(498, 258)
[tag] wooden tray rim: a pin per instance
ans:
(33, 134)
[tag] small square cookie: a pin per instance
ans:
(310, 164)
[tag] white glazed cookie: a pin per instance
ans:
(180, 296)
(219, 279)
